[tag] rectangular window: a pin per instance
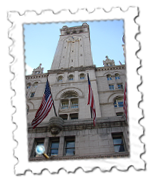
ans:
(120, 86)
(53, 147)
(120, 104)
(64, 104)
(38, 141)
(119, 114)
(74, 116)
(64, 116)
(70, 146)
(118, 142)
(111, 87)
(74, 103)
(32, 94)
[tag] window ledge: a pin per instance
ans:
(119, 109)
(119, 154)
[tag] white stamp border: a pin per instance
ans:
(135, 114)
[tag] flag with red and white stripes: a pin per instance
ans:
(91, 102)
(45, 107)
(125, 101)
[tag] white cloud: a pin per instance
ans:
(28, 70)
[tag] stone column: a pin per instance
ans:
(69, 103)
(68, 117)
(30, 146)
(61, 146)
(46, 141)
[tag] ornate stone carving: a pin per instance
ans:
(38, 70)
(55, 125)
(108, 62)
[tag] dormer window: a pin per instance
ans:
(37, 72)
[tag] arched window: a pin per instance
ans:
(60, 79)
(82, 76)
(28, 86)
(117, 76)
(69, 103)
(35, 84)
(118, 102)
(69, 94)
(109, 77)
(70, 78)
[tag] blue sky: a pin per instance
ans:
(41, 41)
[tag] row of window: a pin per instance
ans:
(74, 116)
(34, 85)
(73, 32)
(69, 145)
(109, 77)
(71, 77)
(119, 86)
(60, 79)
(70, 101)
(111, 86)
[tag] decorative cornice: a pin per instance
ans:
(60, 71)
(107, 68)
(34, 76)
(72, 69)
(77, 125)
(115, 90)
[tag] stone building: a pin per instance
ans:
(71, 135)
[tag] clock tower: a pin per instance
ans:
(73, 49)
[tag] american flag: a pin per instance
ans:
(91, 102)
(45, 107)
(120, 62)
(125, 101)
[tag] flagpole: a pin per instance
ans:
(90, 106)
(52, 98)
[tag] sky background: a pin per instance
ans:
(41, 41)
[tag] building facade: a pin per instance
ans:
(71, 134)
